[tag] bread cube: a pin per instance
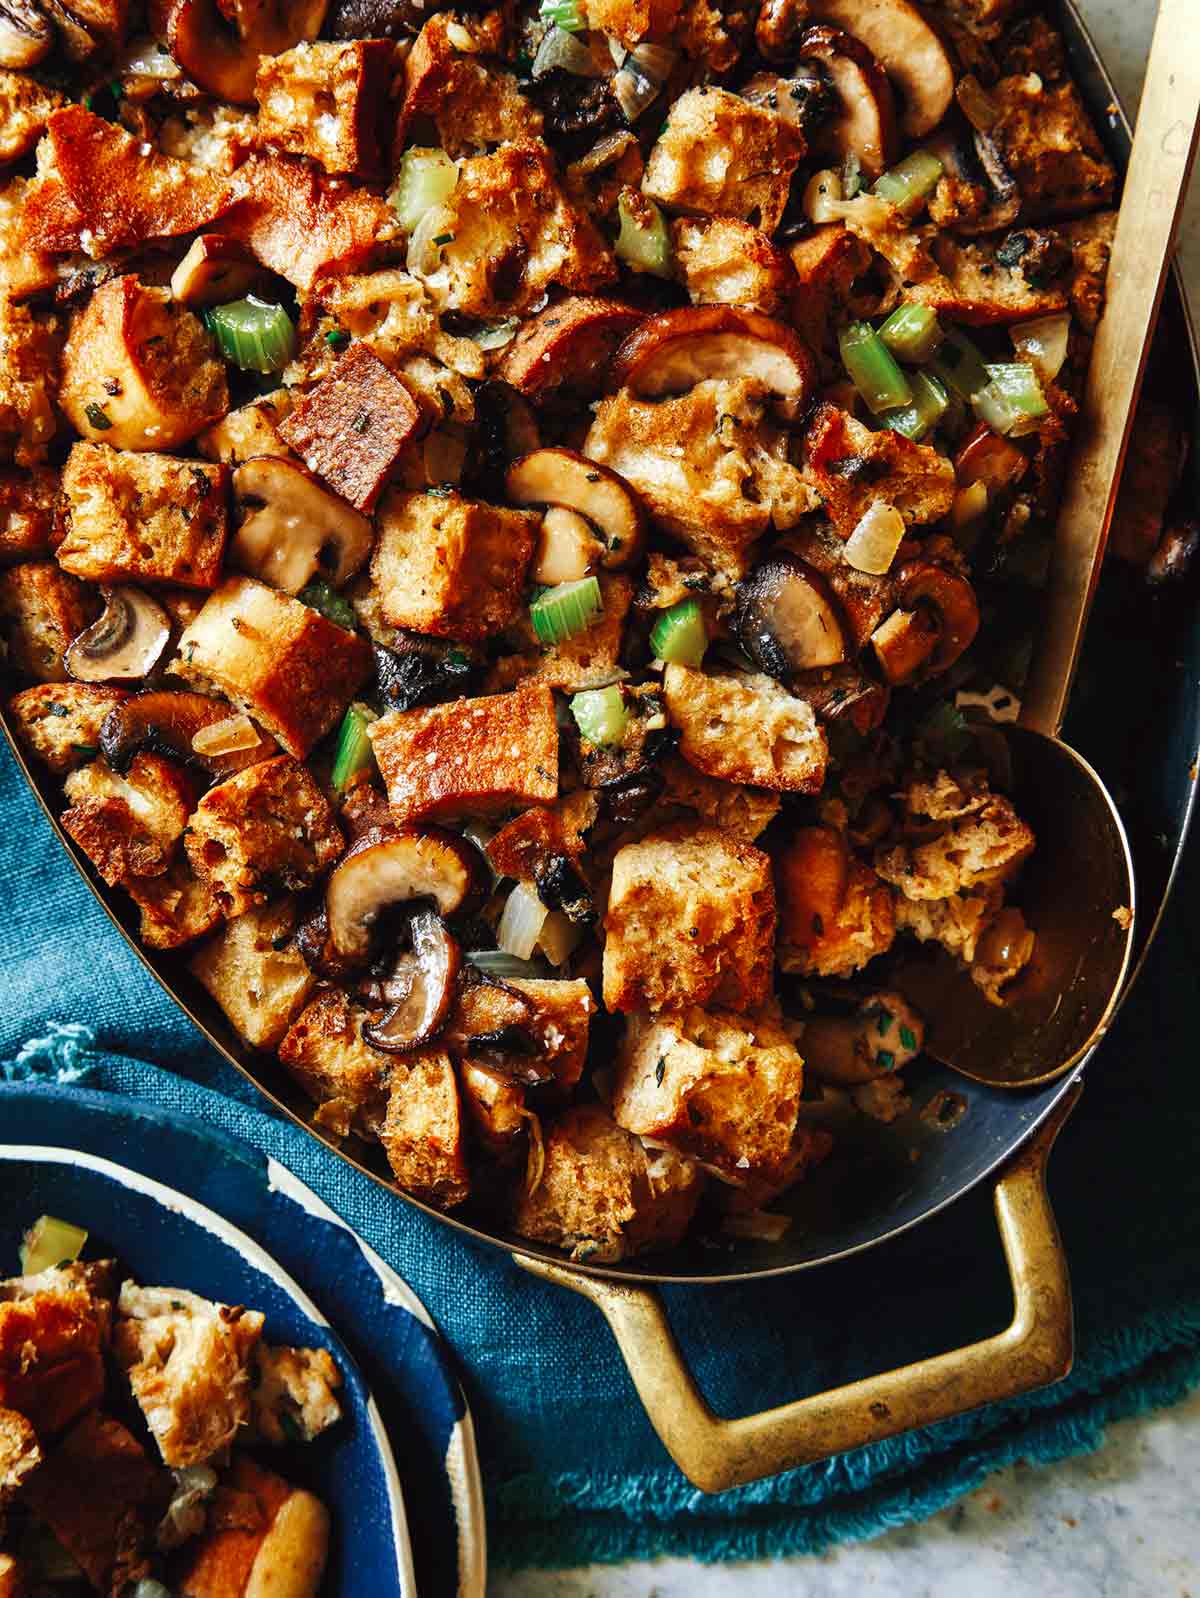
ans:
(1046, 140)
(558, 1027)
(451, 566)
(826, 264)
(295, 1394)
(841, 941)
(176, 908)
(472, 102)
(591, 659)
(29, 347)
(914, 478)
(985, 844)
(603, 1196)
(721, 1088)
(285, 665)
(531, 841)
(327, 101)
(957, 923)
(252, 429)
(51, 1353)
(255, 972)
(129, 826)
(60, 722)
(726, 262)
(495, 1109)
(734, 808)
(351, 427)
(711, 464)
(472, 757)
(977, 288)
(25, 105)
(745, 727)
(721, 156)
(19, 1454)
(691, 920)
(422, 1132)
(143, 518)
(27, 505)
(42, 608)
(346, 1078)
(260, 831)
(139, 370)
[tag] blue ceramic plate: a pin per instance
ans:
(181, 1205)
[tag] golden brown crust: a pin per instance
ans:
(28, 529)
(129, 826)
(473, 103)
(746, 728)
(255, 972)
(566, 347)
(345, 1077)
(60, 722)
(422, 1132)
(43, 608)
(327, 101)
(913, 477)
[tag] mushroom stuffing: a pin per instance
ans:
(516, 529)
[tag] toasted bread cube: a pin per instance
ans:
(255, 972)
(451, 566)
(957, 923)
(51, 1354)
(840, 943)
(295, 1394)
(826, 263)
(19, 1454)
(721, 1088)
(745, 727)
(327, 101)
(143, 518)
(531, 841)
(12, 1574)
(275, 1539)
(980, 847)
(473, 757)
(510, 207)
(344, 1076)
(472, 102)
(603, 1196)
(283, 664)
(731, 806)
(495, 1108)
(351, 428)
(726, 262)
(176, 908)
(691, 920)
(711, 466)
(590, 659)
(139, 370)
(262, 830)
(42, 608)
(422, 1132)
(129, 826)
(912, 477)
(29, 347)
(60, 722)
(252, 429)
(976, 288)
(27, 523)
(721, 156)
(1046, 140)
(188, 1363)
(25, 104)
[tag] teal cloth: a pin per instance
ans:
(573, 1471)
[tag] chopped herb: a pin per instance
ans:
(457, 658)
(87, 751)
(592, 477)
(155, 338)
(116, 88)
(885, 1023)
(177, 1306)
(660, 1070)
(695, 1114)
(616, 544)
(908, 1037)
(1010, 251)
(361, 422)
(327, 602)
(291, 1427)
(337, 338)
(57, 710)
(885, 1059)
(444, 238)
(96, 416)
(280, 943)
(442, 490)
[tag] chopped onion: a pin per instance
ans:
(1044, 344)
(970, 503)
(535, 1163)
(559, 937)
(980, 110)
(654, 61)
(756, 1226)
(225, 737)
(872, 545)
(617, 50)
(186, 1516)
(640, 79)
(495, 335)
(562, 49)
(522, 922)
(145, 58)
(424, 252)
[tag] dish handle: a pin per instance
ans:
(1035, 1350)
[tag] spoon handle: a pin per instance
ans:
(1160, 164)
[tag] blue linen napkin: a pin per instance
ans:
(572, 1469)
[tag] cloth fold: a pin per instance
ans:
(573, 1472)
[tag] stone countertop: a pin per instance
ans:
(1121, 1523)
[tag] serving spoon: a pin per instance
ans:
(1077, 892)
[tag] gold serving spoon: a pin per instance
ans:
(1077, 891)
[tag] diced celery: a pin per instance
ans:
(560, 612)
(679, 635)
(960, 365)
(930, 403)
(425, 181)
(497, 963)
(601, 714)
(253, 334)
(354, 752)
(50, 1242)
(560, 937)
(322, 597)
(1017, 385)
(910, 183)
(872, 368)
(570, 15)
(521, 922)
(912, 333)
(643, 242)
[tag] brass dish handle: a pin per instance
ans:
(1033, 1351)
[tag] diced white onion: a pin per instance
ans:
(1044, 344)
(969, 504)
(522, 922)
(756, 1225)
(535, 1161)
(559, 937)
(872, 545)
(560, 48)
(460, 38)
(225, 737)
(424, 256)
(654, 61)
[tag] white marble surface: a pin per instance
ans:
(1119, 1524)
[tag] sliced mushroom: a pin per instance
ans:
(567, 547)
(215, 270)
(1005, 204)
(987, 457)
(293, 527)
(218, 45)
(396, 866)
(805, 98)
(884, 1034)
(560, 886)
(169, 723)
(866, 126)
(26, 36)
(951, 598)
(844, 693)
(787, 620)
(565, 349)
(422, 671)
(909, 51)
(778, 26)
(904, 643)
(430, 974)
(124, 643)
(564, 477)
(675, 350)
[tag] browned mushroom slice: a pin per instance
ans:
(565, 478)
(986, 457)
(909, 51)
(787, 620)
(398, 866)
(567, 347)
(844, 693)
(904, 643)
(952, 600)
(428, 974)
(866, 127)
(218, 45)
(124, 643)
(672, 352)
(26, 36)
(168, 723)
(215, 270)
(293, 528)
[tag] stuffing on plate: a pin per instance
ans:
(132, 1426)
(516, 527)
